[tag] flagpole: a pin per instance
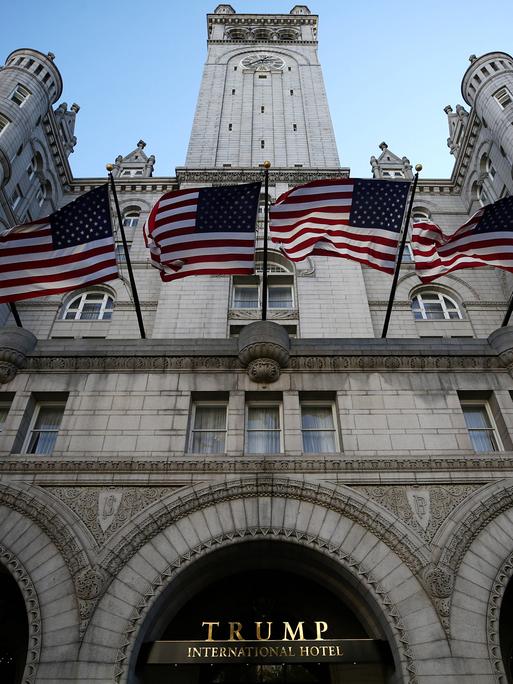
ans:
(508, 313)
(15, 314)
(267, 165)
(399, 259)
(109, 168)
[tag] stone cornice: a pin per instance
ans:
(292, 176)
(410, 467)
(157, 185)
(279, 20)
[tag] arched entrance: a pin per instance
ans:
(13, 630)
(264, 611)
(506, 631)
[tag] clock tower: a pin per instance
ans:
(262, 94)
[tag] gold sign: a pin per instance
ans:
(284, 631)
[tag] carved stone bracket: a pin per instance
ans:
(15, 344)
(264, 350)
(501, 340)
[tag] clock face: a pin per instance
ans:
(262, 62)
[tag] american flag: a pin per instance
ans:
(486, 239)
(345, 217)
(204, 231)
(64, 251)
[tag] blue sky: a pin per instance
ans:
(390, 67)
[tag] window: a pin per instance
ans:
(4, 121)
(208, 428)
(280, 297)
(318, 428)
(245, 297)
(131, 219)
(15, 197)
(480, 425)
(262, 109)
(390, 173)
(230, 126)
(503, 97)
(120, 253)
(31, 169)
(434, 306)
(263, 431)
(89, 306)
(408, 254)
(262, 144)
(20, 94)
(44, 428)
(233, 91)
(294, 127)
(292, 92)
(5, 405)
(40, 195)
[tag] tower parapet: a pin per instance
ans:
(30, 84)
(488, 87)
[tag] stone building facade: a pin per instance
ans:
(302, 479)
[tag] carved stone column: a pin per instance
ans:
(15, 344)
(264, 350)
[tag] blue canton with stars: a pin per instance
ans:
(230, 209)
(496, 217)
(379, 204)
(84, 220)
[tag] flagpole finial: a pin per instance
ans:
(109, 167)
(267, 164)
(418, 168)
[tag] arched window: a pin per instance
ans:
(432, 306)
(89, 306)
(131, 218)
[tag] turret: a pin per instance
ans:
(488, 87)
(29, 84)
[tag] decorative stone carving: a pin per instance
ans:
(104, 511)
(440, 581)
(424, 509)
(420, 505)
(264, 349)
(15, 344)
(501, 581)
(501, 341)
(89, 583)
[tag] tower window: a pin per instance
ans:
(233, 91)
(20, 94)
(262, 144)
(294, 127)
(292, 92)
(262, 76)
(230, 126)
(290, 68)
(262, 109)
(235, 68)
(503, 97)
(3, 122)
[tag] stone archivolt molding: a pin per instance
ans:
(405, 542)
(28, 591)
(500, 583)
(48, 520)
(359, 570)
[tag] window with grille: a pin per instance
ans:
(503, 97)
(20, 94)
(4, 121)
(89, 306)
(131, 219)
(434, 306)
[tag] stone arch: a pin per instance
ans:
(194, 524)
(57, 525)
(239, 50)
(28, 591)
(407, 544)
(478, 550)
(46, 583)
